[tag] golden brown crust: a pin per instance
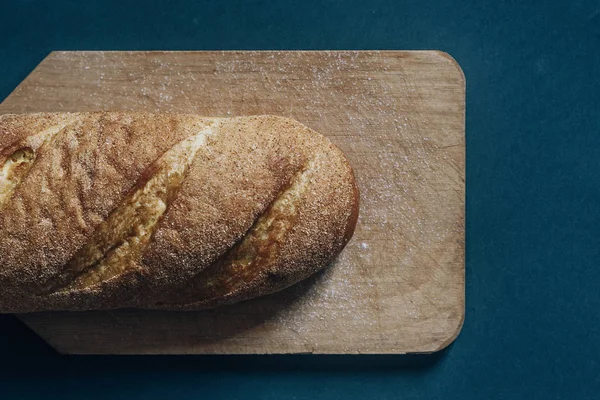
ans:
(115, 210)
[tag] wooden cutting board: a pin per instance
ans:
(398, 287)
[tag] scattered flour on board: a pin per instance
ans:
(394, 151)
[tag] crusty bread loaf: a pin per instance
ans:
(111, 210)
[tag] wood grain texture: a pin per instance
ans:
(398, 287)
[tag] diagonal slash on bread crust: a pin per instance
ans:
(116, 246)
(17, 165)
(254, 254)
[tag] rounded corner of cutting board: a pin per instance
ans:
(452, 62)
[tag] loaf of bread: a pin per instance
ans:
(178, 212)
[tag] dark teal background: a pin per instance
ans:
(532, 328)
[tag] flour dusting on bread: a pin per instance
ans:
(109, 210)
